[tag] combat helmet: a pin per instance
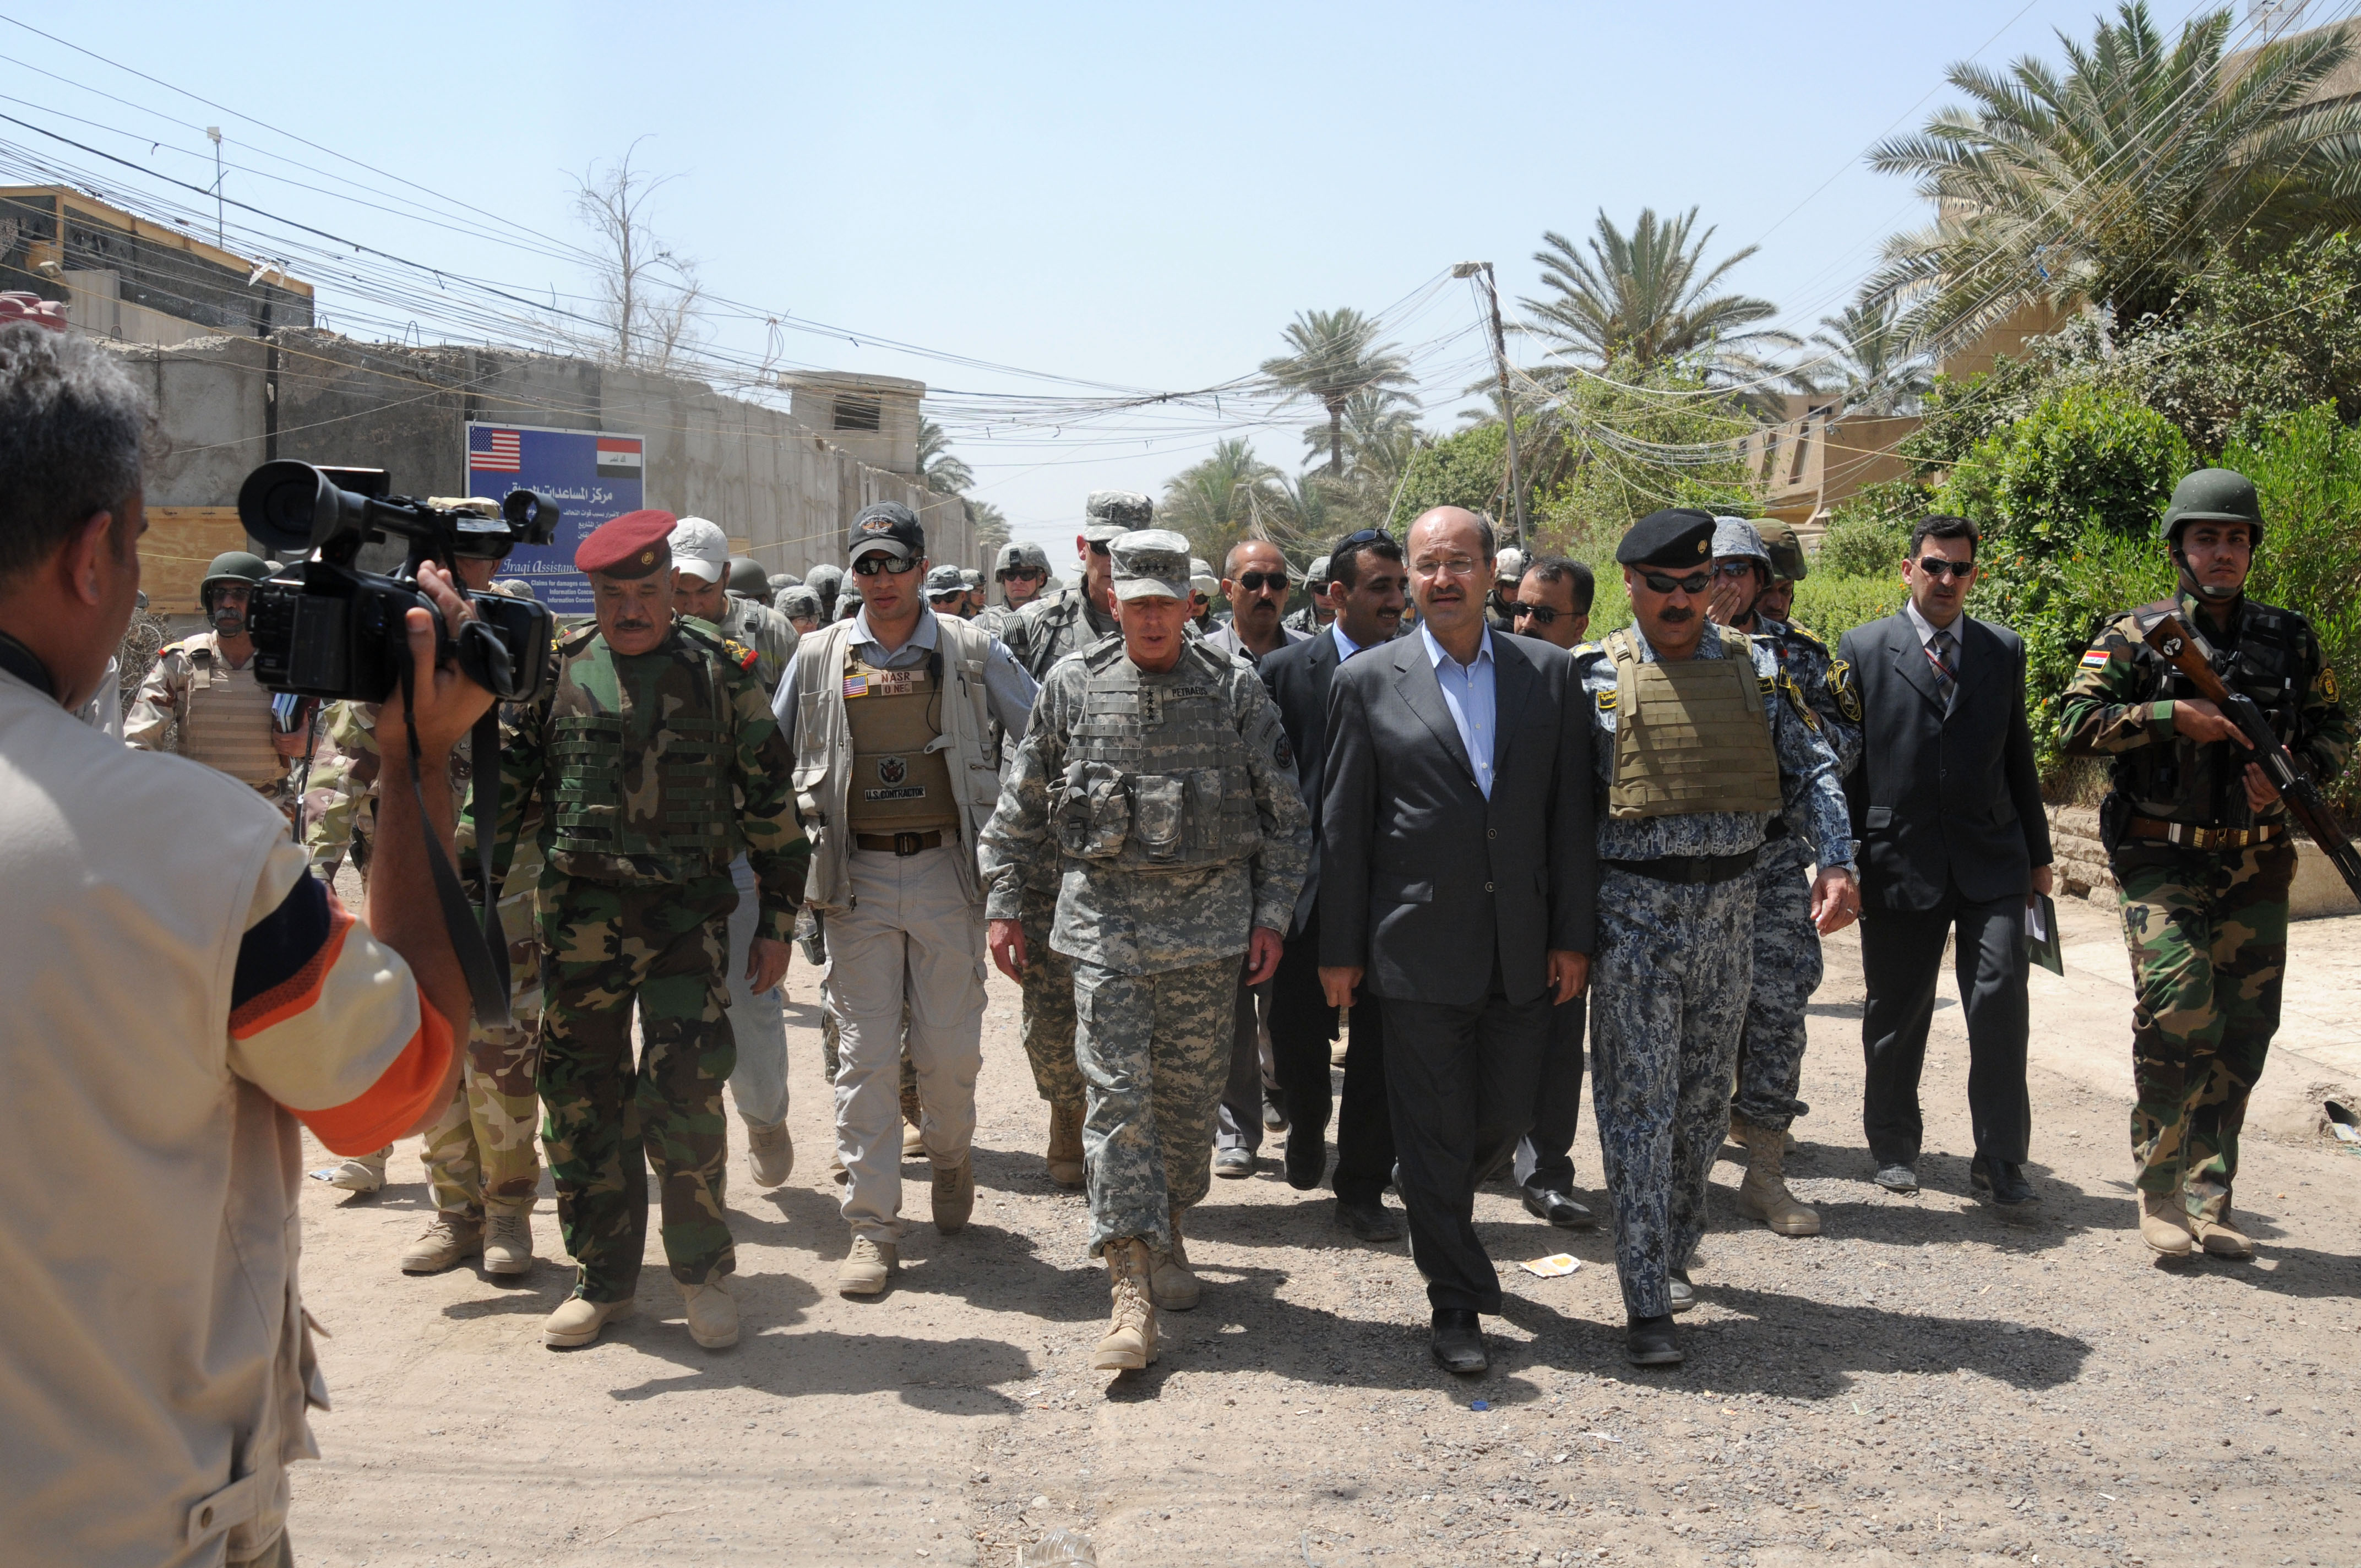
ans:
(232, 566)
(2213, 494)
(747, 578)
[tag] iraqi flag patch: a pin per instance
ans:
(2096, 659)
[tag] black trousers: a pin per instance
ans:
(1302, 1027)
(1545, 1155)
(1901, 956)
(1461, 1083)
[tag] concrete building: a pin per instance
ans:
(876, 418)
(133, 280)
(1803, 466)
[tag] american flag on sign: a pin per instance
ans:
(494, 450)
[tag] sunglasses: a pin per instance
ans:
(1734, 569)
(1695, 583)
(869, 566)
(1024, 574)
(1098, 547)
(1540, 612)
(1937, 567)
(1255, 582)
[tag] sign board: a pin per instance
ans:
(593, 475)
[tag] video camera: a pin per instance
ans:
(337, 632)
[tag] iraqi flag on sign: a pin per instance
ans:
(618, 457)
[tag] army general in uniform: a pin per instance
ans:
(2197, 840)
(654, 761)
(1157, 772)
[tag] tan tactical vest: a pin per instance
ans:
(1691, 735)
(225, 719)
(901, 777)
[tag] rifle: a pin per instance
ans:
(2186, 651)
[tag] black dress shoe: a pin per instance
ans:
(1898, 1178)
(2012, 1194)
(1458, 1342)
(1979, 1178)
(1371, 1222)
(1274, 1111)
(1650, 1342)
(1307, 1158)
(1545, 1203)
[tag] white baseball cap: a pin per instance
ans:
(701, 548)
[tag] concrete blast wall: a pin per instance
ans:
(229, 403)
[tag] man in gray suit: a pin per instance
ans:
(1458, 882)
(1954, 843)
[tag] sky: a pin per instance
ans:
(1133, 197)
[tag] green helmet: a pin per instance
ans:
(748, 580)
(2213, 494)
(234, 566)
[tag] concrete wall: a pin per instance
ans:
(2082, 870)
(227, 404)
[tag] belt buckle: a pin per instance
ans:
(906, 844)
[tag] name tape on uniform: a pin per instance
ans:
(884, 682)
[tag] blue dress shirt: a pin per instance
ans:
(1467, 692)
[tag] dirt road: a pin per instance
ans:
(1920, 1382)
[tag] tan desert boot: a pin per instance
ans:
(448, 1239)
(2163, 1225)
(1130, 1342)
(1169, 1278)
(1763, 1194)
(770, 1152)
(577, 1322)
(914, 1142)
(712, 1315)
(954, 1196)
(864, 1269)
(1066, 1144)
(508, 1240)
(2220, 1239)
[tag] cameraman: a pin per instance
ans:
(156, 1367)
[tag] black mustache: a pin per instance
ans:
(1672, 617)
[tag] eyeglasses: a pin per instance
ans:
(1936, 567)
(1695, 583)
(1734, 568)
(1099, 546)
(869, 566)
(1255, 582)
(1541, 613)
(1444, 565)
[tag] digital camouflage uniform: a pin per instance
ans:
(772, 636)
(1670, 982)
(652, 772)
(1170, 802)
(481, 1153)
(1788, 961)
(2207, 927)
(194, 704)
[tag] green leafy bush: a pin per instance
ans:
(1861, 543)
(1829, 605)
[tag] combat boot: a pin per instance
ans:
(954, 1196)
(1130, 1342)
(1170, 1280)
(866, 1267)
(2163, 1225)
(1066, 1144)
(361, 1173)
(914, 1142)
(1763, 1194)
(712, 1314)
(577, 1322)
(448, 1239)
(2220, 1239)
(770, 1152)
(507, 1239)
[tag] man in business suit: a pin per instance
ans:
(1366, 585)
(1954, 842)
(1457, 885)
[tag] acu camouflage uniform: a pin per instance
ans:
(2206, 923)
(755, 626)
(1675, 966)
(653, 772)
(1172, 805)
(1787, 963)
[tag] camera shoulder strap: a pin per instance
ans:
(485, 966)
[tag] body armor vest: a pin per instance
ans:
(1156, 776)
(1691, 735)
(639, 754)
(901, 775)
(2183, 781)
(226, 722)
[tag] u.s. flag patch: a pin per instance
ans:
(856, 685)
(2096, 659)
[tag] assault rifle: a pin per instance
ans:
(2186, 651)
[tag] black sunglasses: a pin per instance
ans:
(1540, 612)
(1255, 582)
(1937, 567)
(869, 566)
(1024, 574)
(1695, 583)
(1098, 547)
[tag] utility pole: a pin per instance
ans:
(219, 225)
(1508, 403)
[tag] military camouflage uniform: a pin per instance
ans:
(1787, 963)
(1670, 982)
(653, 772)
(1053, 626)
(1129, 773)
(2206, 926)
(772, 636)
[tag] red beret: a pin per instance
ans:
(632, 545)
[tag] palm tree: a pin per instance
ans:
(1335, 357)
(991, 525)
(1869, 357)
(2114, 181)
(1648, 297)
(1213, 501)
(937, 469)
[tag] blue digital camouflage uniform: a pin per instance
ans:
(1170, 802)
(1670, 982)
(1787, 963)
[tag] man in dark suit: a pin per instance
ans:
(1366, 576)
(1458, 882)
(1954, 842)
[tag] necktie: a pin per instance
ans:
(1938, 654)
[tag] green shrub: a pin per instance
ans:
(1829, 605)
(1862, 543)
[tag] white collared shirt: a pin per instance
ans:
(1926, 629)
(1468, 692)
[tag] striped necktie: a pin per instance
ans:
(1938, 654)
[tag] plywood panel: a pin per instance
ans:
(179, 544)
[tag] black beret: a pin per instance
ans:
(1676, 536)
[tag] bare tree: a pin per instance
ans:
(649, 297)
